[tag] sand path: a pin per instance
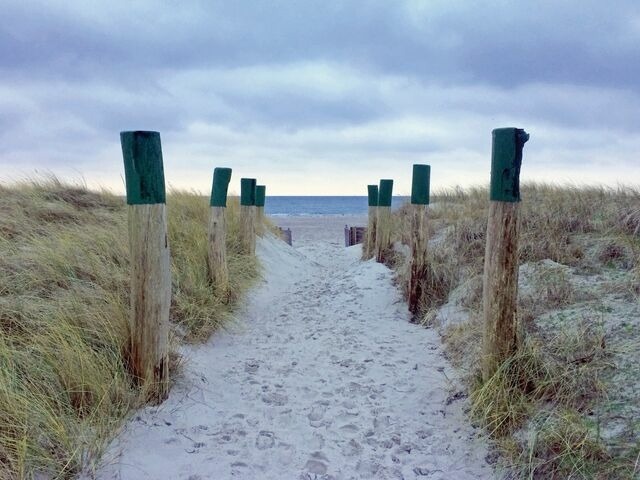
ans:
(322, 378)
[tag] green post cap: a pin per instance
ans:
(221, 179)
(143, 169)
(372, 190)
(385, 192)
(506, 159)
(261, 193)
(247, 191)
(420, 185)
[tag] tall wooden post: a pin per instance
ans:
(247, 216)
(383, 230)
(261, 192)
(217, 245)
(150, 262)
(419, 235)
(368, 250)
(500, 280)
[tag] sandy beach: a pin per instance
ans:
(321, 376)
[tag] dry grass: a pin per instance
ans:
(64, 296)
(566, 405)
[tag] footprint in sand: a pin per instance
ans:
(317, 414)
(265, 440)
(352, 448)
(317, 464)
(274, 398)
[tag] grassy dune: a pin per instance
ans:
(567, 405)
(64, 295)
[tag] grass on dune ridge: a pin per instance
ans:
(64, 305)
(566, 405)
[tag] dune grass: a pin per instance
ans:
(566, 405)
(64, 303)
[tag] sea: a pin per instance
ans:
(332, 205)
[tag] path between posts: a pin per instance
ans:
(323, 377)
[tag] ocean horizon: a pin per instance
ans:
(322, 205)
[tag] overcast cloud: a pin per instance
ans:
(318, 97)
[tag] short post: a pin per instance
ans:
(500, 281)
(150, 262)
(369, 246)
(217, 245)
(247, 216)
(419, 235)
(261, 193)
(383, 227)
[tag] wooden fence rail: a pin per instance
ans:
(354, 235)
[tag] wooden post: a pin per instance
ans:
(150, 263)
(500, 280)
(217, 245)
(368, 249)
(261, 192)
(247, 216)
(383, 227)
(419, 235)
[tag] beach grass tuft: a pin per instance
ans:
(565, 406)
(64, 306)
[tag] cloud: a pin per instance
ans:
(290, 90)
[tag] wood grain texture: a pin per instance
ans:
(383, 234)
(150, 299)
(259, 220)
(500, 286)
(419, 245)
(217, 251)
(247, 230)
(369, 246)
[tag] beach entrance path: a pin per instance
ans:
(321, 377)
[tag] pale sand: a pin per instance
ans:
(323, 378)
(311, 230)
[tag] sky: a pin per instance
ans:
(321, 97)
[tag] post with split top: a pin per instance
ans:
(502, 334)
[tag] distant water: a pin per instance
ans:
(322, 205)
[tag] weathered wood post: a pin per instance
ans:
(217, 245)
(150, 262)
(261, 192)
(500, 280)
(419, 235)
(247, 216)
(369, 247)
(383, 229)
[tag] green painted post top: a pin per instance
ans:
(420, 184)
(385, 192)
(506, 159)
(261, 193)
(143, 169)
(221, 179)
(372, 190)
(247, 191)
